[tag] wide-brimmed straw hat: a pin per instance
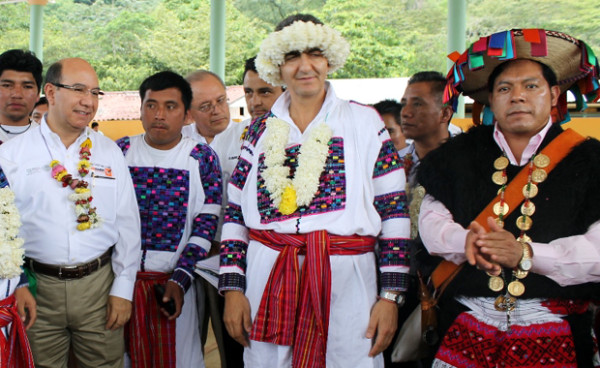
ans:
(573, 62)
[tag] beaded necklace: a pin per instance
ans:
(507, 300)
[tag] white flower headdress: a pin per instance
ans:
(300, 36)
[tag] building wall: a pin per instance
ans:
(116, 129)
(589, 126)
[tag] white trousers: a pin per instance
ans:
(353, 294)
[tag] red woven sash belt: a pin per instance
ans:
(294, 309)
(150, 335)
(14, 351)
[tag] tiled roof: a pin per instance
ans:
(126, 105)
(119, 106)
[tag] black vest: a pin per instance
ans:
(459, 175)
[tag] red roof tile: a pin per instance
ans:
(126, 105)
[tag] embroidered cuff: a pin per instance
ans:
(182, 278)
(232, 281)
(23, 280)
(394, 281)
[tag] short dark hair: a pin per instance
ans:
(54, 73)
(547, 72)
(167, 79)
(249, 66)
(95, 124)
(22, 61)
(42, 101)
(391, 107)
(436, 80)
(297, 17)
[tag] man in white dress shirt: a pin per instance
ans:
(20, 85)
(80, 224)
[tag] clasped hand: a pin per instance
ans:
(493, 249)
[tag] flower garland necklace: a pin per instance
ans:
(288, 194)
(11, 246)
(87, 218)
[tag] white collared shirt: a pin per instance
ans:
(226, 144)
(48, 216)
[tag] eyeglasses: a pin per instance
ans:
(82, 90)
(209, 107)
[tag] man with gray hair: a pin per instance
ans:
(210, 112)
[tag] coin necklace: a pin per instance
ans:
(506, 302)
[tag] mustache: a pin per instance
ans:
(159, 125)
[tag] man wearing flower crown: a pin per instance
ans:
(80, 224)
(178, 187)
(516, 202)
(318, 184)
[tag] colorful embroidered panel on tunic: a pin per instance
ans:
(233, 213)
(3, 179)
(387, 161)
(240, 173)
(124, 144)
(233, 253)
(162, 196)
(206, 158)
(331, 195)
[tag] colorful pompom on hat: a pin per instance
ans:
(573, 62)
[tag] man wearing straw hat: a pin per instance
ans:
(317, 184)
(516, 202)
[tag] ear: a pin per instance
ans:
(554, 93)
(446, 114)
(188, 117)
(49, 90)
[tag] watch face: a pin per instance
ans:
(525, 264)
(400, 299)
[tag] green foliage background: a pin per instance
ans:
(127, 40)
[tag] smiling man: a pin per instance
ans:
(20, 85)
(80, 224)
(178, 186)
(317, 176)
(516, 201)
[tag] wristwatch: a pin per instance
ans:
(525, 262)
(397, 298)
